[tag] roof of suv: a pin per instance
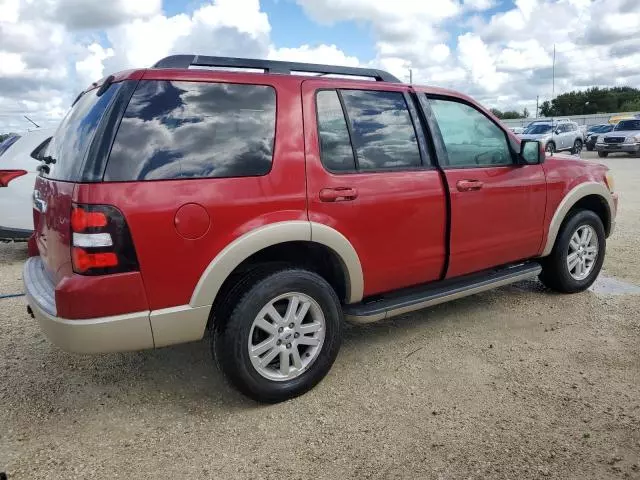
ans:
(209, 65)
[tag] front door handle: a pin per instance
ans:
(469, 185)
(338, 194)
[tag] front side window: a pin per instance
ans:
(175, 129)
(382, 130)
(470, 138)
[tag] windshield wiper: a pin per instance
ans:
(49, 160)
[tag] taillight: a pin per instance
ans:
(102, 241)
(7, 175)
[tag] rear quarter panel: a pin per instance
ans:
(171, 265)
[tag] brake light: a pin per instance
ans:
(7, 175)
(82, 219)
(102, 241)
(83, 261)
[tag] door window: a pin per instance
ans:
(366, 130)
(335, 145)
(382, 130)
(470, 138)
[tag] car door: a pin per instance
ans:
(371, 178)
(497, 205)
(566, 136)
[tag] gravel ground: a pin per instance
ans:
(514, 383)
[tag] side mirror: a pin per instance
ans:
(531, 152)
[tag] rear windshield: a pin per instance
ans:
(4, 146)
(71, 141)
(538, 129)
(194, 130)
(628, 125)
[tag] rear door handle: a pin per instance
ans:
(469, 185)
(338, 194)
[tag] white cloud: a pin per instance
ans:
(324, 54)
(50, 49)
(11, 64)
(479, 4)
(90, 68)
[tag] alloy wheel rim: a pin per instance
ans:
(550, 148)
(286, 336)
(577, 147)
(583, 252)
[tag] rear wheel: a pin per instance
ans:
(603, 154)
(577, 256)
(281, 337)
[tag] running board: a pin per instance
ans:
(415, 298)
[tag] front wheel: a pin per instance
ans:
(282, 336)
(603, 154)
(577, 256)
(550, 148)
(577, 147)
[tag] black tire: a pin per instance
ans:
(550, 148)
(577, 147)
(603, 154)
(555, 273)
(231, 335)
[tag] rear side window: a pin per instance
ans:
(382, 129)
(194, 130)
(71, 141)
(335, 145)
(376, 125)
(4, 146)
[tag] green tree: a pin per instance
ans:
(525, 113)
(592, 100)
(508, 115)
(546, 110)
(631, 106)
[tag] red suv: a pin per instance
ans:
(268, 207)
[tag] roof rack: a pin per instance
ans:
(271, 66)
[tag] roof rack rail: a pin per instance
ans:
(271, 66)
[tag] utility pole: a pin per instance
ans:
(553, 87)
(537, 104)
(410, 76)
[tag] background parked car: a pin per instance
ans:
(624, 138)
(592, 135)
(517, 130)
(19, 158)
(564, 136)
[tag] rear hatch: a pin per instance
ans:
(61, 172)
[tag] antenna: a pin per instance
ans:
(37, 126)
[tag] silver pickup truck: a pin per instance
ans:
(625, 137)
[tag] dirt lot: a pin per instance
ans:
(515, 383)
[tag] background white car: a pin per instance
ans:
(19, 159)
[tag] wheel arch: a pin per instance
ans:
(590, 195)
(260, 239)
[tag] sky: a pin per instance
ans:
(498, 51)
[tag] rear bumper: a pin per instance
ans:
(618, 147)
(7, 233)
(98, 335)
